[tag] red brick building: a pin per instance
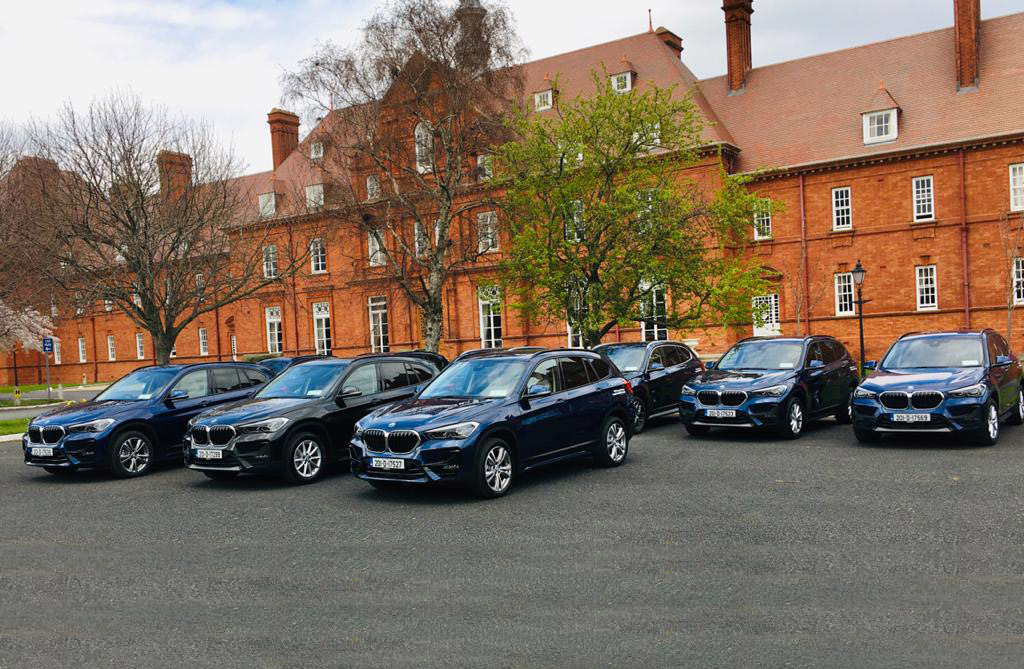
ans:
(906, 154)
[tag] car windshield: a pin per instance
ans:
(303, 381)
(142, 384)
(480, 378)
(626, 358)
(763, 355)
(276, 365)
(918, 352)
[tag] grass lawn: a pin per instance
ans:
(16, 426)
(28, 387)
(28, 403)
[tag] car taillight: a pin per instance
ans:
(629, 387)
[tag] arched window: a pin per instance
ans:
(424, 148)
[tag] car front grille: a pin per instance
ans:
(733, 398)
(220, 435)
(399, 441)
(926, 399)
(708, 397)
(894, 400)
(52, 434)
(375, 440)
(922, 399)
(200, 435)
(35, 435)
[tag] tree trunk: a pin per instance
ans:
(164, 344)
(433, 325)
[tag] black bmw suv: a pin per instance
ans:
(658, 371)
(302, 419)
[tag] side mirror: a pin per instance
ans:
(815, 364)
(350, 391)
(539, 390)
(1003, 360)
(177, 395)
(870, 365)
(655, 366)
(710, 364)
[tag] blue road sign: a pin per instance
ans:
(47, 344)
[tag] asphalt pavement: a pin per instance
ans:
(732, 550)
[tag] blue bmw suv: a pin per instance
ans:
(771, 382)
(963, 382)
(137, 421)
(488, 417)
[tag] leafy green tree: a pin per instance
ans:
(604, 219)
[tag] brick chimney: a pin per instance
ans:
(737, 41)
(175, 173)
(671, 40)
(966, 19)
(284, 134)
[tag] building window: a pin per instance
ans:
(322, 327)
(1018, 280)
(270, 261)
(56, 351)
(376, 254)
(204, 342)
(424, 148)
(372, 188)
(81, 349)
(316, 151)
(317, 256)
(234, 347)
(489, 298)
(543, 101)
(421, 241)
(314, 196)
(574, 338)
(880, 126)
(53, 307)
(574, 223)
(924, 199)
(656, 315)
(108, 305)
(484, 167)
(275, 333)
(1017, 187)
(763, 220)
(140, 346)
(379, 341)
(844, 294)
(111, 348)
(766, 315)
(174, 350)
(842, 209)
(268, 204)
(927, 290)
(487, 232)
(622, 82)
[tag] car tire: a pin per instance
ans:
(131, 454)
(219, 476)
(866, 436)
(844, 414)
(793, 419)
(59, 471)
(614, 444)
(494, 471)
(304, 459)
(1017, 415)
(640, 413)
(989, 434)
(696, 430)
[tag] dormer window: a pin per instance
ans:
(372, 188)
(544, 100)
(622, 82)
(316, 151)
(268, 204)
(880, 126)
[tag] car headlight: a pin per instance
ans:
(358, 432)
(771, 391)
(864, 394)
(268, 426)
(192, 421)
(687, 390)
(92, 426)
(977, 390)
(457, 431)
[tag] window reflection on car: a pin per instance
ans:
(935, 352)
(476, 379)
(142, 384)
(302, 381)
(760, 355)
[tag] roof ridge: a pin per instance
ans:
(588, 48)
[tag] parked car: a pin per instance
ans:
(138, 420)
(436, 360)
(281, 363)
(303, 419)
(658, 370)
(963, 382)
(771, 382)
(489, 417)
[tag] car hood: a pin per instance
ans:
(249, 410)
(83, 413)
(722, 379)
(416, 414)
(924, 379)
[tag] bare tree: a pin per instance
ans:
(144, 211)
(805, 292)
(409, 114)
(1011, 231)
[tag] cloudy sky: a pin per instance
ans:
(221, 59)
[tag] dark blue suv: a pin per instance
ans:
(771, 382)
(658, 370)
(962, 382)
(490, 416)
(137, 421)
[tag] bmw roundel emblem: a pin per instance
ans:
(391, 424)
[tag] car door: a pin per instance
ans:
(835, 374)
(172, 422)
(1012, 378)
(682, 368)
(585, 406)
(543, 420)
(999, 372)
(844, 373)
(358, 395)
(815, 377)
(658, 378)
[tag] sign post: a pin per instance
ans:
(47, 350)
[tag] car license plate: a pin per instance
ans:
(209, 454)
(387, 463)
(911, 417)
(721, 413)
(42, 452)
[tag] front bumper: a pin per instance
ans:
(953, 415)
(78, 450)
(431, 461)
(754, 412)
(244, 453)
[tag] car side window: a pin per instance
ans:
(252, 377)
(838, 350)
(363, 378)
(546, 375)
(828, 352)
(671, 356)
(684, 354)
(225, 380)
(574, 373)
(196, 384)
(419, 374)
(993, 350)
(393, 375)
(814, 353)
(657, 356)
(600, 367)
(1001, 345)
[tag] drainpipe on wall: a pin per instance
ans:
(95, 353)
(803, 254)
(216, 318)
(295, 296)
(963, 243)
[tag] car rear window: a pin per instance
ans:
(574, 373)
(225, 380)
(600, 368)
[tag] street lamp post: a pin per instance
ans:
(858, 280)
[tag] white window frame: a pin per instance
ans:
(656, 309)
(927, 281)
(82, 356)
(267, 204)
(870, 125)
(111, 348)
(484, 167)
(487, 232)
(574, 224)
(53, 307)
(204, 342)
(625, 78)
(924, 207)
(573, 339)
(174, 350)
(234, 347)
(275, 334)
(317, 256)
(322, 335)
(108, 305)
(372, 188)
(763, 220)
(1017, 187)
(375, 251)
(380, 339)
(314, 196)
(316, 151)
(772, 325)
(844, 293)
(423, 138)
(56, 351)
(543, 100)
(491, 321)
(842, 208)
(1017, 277)
(270, 261)
(140, 346)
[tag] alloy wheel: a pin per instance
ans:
(796, 418)
(307, 459)
(615, 441)
(498, 468)
(993, 422)
(134, 455)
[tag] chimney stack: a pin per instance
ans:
(472, 50)
(175, 173)
(966, 20)
(284, 134)
(671, 40)
(737, 41)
